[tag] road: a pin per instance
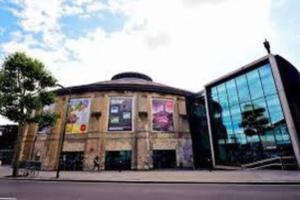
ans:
(41, 190)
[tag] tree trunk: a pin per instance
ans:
(17, 150)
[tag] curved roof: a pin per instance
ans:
(127, 81)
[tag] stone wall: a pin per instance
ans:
(141, 140)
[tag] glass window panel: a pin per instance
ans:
(253, 138)
(285, 133)
(261, 104)
(254, 84)
(282, 134)
(214, 94)
(275, 110)
(268, 140)
(232, 92)
(267, 80)
(278, 136)
(243, 90)
(223, 100)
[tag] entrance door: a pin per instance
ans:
(118, 160)
(163, 159)
(72, 161)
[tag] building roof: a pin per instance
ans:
(127, 81)
(241, 70)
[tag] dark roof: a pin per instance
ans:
(131, 75)
(128, 81)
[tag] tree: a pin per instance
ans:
(253, 120)
(24, 90)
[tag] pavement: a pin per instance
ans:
(49, 190)
(168, 176)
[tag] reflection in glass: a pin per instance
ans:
(247, 120)
(267, 80)
(254, 84)
(243, 91)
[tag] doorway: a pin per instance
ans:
(72, 161)
(164, 159)
(118, 160)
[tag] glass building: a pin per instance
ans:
(252, 116)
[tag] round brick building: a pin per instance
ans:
(128, 122)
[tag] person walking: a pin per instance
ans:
(96, 163)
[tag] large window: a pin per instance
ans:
(120, 114)
(247, 119)
(162, 115)
(78, 116)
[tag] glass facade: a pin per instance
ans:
(247, 120)
(199, 132)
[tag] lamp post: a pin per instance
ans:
(62, 135)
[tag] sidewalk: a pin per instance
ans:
(180, 176)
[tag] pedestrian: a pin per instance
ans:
(96, 163)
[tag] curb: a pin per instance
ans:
(153, 182)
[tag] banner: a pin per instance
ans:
(78, 116)
(120, 114)
(162, 119)
(47, 109)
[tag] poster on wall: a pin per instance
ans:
(48, 109)
(162, 119)
(78, 116)
(120, 114)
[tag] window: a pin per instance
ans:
(274, 109)
(267, 80)
(243, 90)
(254, 84)
(232, 93)
(162, 115)
(247, 121)
(120, 114)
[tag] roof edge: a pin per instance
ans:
(236, 71)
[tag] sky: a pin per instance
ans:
(181, 43)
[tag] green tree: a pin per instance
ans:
(24, 91)
(254, 121)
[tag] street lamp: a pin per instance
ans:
(62, 135)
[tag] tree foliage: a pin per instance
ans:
(253, 120)
(24, 89)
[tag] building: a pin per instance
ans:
(130, 122)
(253, 115)
(249, 118)
(8, 134)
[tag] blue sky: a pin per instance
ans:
(183, 43)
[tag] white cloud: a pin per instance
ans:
(193, 45)
(184, 46)
(96, 7)
(39, 16)
(183, 43)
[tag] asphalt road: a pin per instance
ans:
(40, 190)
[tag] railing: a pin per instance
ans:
(30, 168)
(278, 161)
